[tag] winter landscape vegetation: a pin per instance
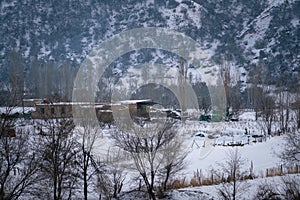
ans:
(150, 99)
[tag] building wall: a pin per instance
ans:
(104, 113)
(45, 111)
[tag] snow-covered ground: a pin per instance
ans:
(205, 153)
(210, 192)
(263, 155)
(208, 144)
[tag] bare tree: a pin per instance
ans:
(232, 174)
(291, 187)
(59, 167)
(101, 174)
(89, 133)
(295, 106)
(268, 109)
(173, 162)
(259, 80)
(283, 96)
(267, 190)
(18, 162)
(291, 150)
(287, 188)
(110, 174)
(225, 73)
(291, 155)
(146, 145)
(16, 75)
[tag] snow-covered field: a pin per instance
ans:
(207, 144)
(210, 192)
(263, 155)
(205, 152)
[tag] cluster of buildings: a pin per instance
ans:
(44, 109)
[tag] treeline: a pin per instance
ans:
(36, 79)
(268, 98)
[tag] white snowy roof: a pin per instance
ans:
(135, 101)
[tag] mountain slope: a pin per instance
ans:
(241, 33)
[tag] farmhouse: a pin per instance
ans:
(46, 110)
(137, 108)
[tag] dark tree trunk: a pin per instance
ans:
(85, 173)
(149, 186)
(168, 168)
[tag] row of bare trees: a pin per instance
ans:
(273, 101)
(37, 164)
(17, 162)
(37, 78)
(53, 159)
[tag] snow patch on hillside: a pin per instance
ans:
(255, 31)
(177, 16)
